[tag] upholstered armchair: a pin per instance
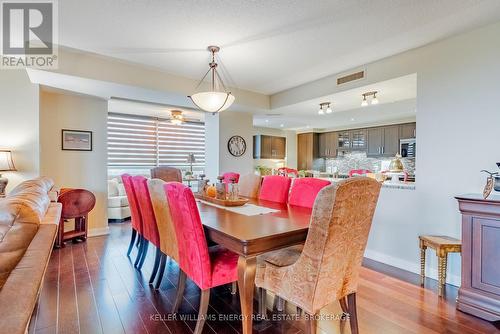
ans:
(167, 174)
(249, 185)
(275, 188)
(168, 239)
(327, 269)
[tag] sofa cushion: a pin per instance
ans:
(43, 183)
(27, 207)
(112, 188)
(12, 247)
(117, 201)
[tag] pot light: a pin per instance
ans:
(282, 125)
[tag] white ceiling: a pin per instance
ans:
(268, 46)
(149, 109)
(396, 103)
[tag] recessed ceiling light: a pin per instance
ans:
(352, 119)
(307, 126)
(282, 125)
(267, 121)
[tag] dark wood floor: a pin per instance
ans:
(92, 287)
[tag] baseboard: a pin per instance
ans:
(95, 232)
(410, 266)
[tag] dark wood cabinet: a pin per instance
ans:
(383, 141)
(269, 147)
(327, 143)
(307, 150)
(408, 130)
(479, 293)
(358, 139)
(344, 140)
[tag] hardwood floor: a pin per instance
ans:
(92, 287)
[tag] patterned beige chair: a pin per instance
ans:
(167, 174)
(249, 185)
(327, 269)
(168, 240)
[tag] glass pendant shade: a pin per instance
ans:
(375, 100)
(329, 110)
(213, 101)
(364, 103)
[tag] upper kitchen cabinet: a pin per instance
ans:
(307, 150)
(344, 140)
(269, 147)
(358, 139)
(383, 141)
(328, 142)
(408, 130)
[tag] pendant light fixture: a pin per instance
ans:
(324, 107)
(217, 99)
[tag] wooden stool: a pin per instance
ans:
(76, 204)
(442, 245)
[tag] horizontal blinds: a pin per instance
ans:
(145, 142)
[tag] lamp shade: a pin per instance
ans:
(191, 159)
(213, 101)
(6, 163)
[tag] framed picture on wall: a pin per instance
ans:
(76, 140)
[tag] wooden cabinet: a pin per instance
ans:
(358, 139)
(383, 141)
(408, 130)
(479, 293)
(344, 140)
(327, 143)
(307, 150)
(269, 147)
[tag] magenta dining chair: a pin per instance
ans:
(305, 190)
(230, 175)
(275, 188)
(206, 267)
(135, 214)
(150, 227)
(353, 172)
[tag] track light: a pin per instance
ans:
(324, 106)
(374, 99)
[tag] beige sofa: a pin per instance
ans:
(28, 227)
(118, 207)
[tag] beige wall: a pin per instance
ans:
(290, 160)
(72, 169)
(19, 124)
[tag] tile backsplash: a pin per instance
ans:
(359, 160)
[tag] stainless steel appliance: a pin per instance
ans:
(408, 148)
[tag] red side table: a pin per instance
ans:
(76, 204)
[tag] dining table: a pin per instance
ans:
(250, 234)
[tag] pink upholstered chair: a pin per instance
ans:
(206, 267)
(275, 188)
(230, 175)
(285, 171)
(135, 214)
(327, 270)
(150, 228)
(304, 191)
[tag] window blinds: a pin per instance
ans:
(145, 142)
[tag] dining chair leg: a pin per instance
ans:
(234, 288)
(353, 318)
(155, 267)
(163, 260)
(132, 240)
(202, 313)
(144, 253)
(262, 293)
(181, 284)
(311, 324)
(343, 305)
(139, 250)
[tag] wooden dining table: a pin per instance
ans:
(249, 236)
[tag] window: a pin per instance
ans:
(140, 143)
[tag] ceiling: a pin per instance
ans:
(267, 46)
(397, 102)
(149, 109)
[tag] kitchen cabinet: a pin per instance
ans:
(479, 293)
(408, 130)
(358, 139)
(344, 140)
(383, 141)
(269, 147)
(327, 144)
(307, 150)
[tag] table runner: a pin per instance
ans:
(247, 209)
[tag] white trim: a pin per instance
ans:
(95, 232)
(410, 266)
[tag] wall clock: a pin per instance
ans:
(237, 146)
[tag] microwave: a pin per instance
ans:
(408, 148)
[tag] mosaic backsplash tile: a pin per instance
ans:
(359, 160)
